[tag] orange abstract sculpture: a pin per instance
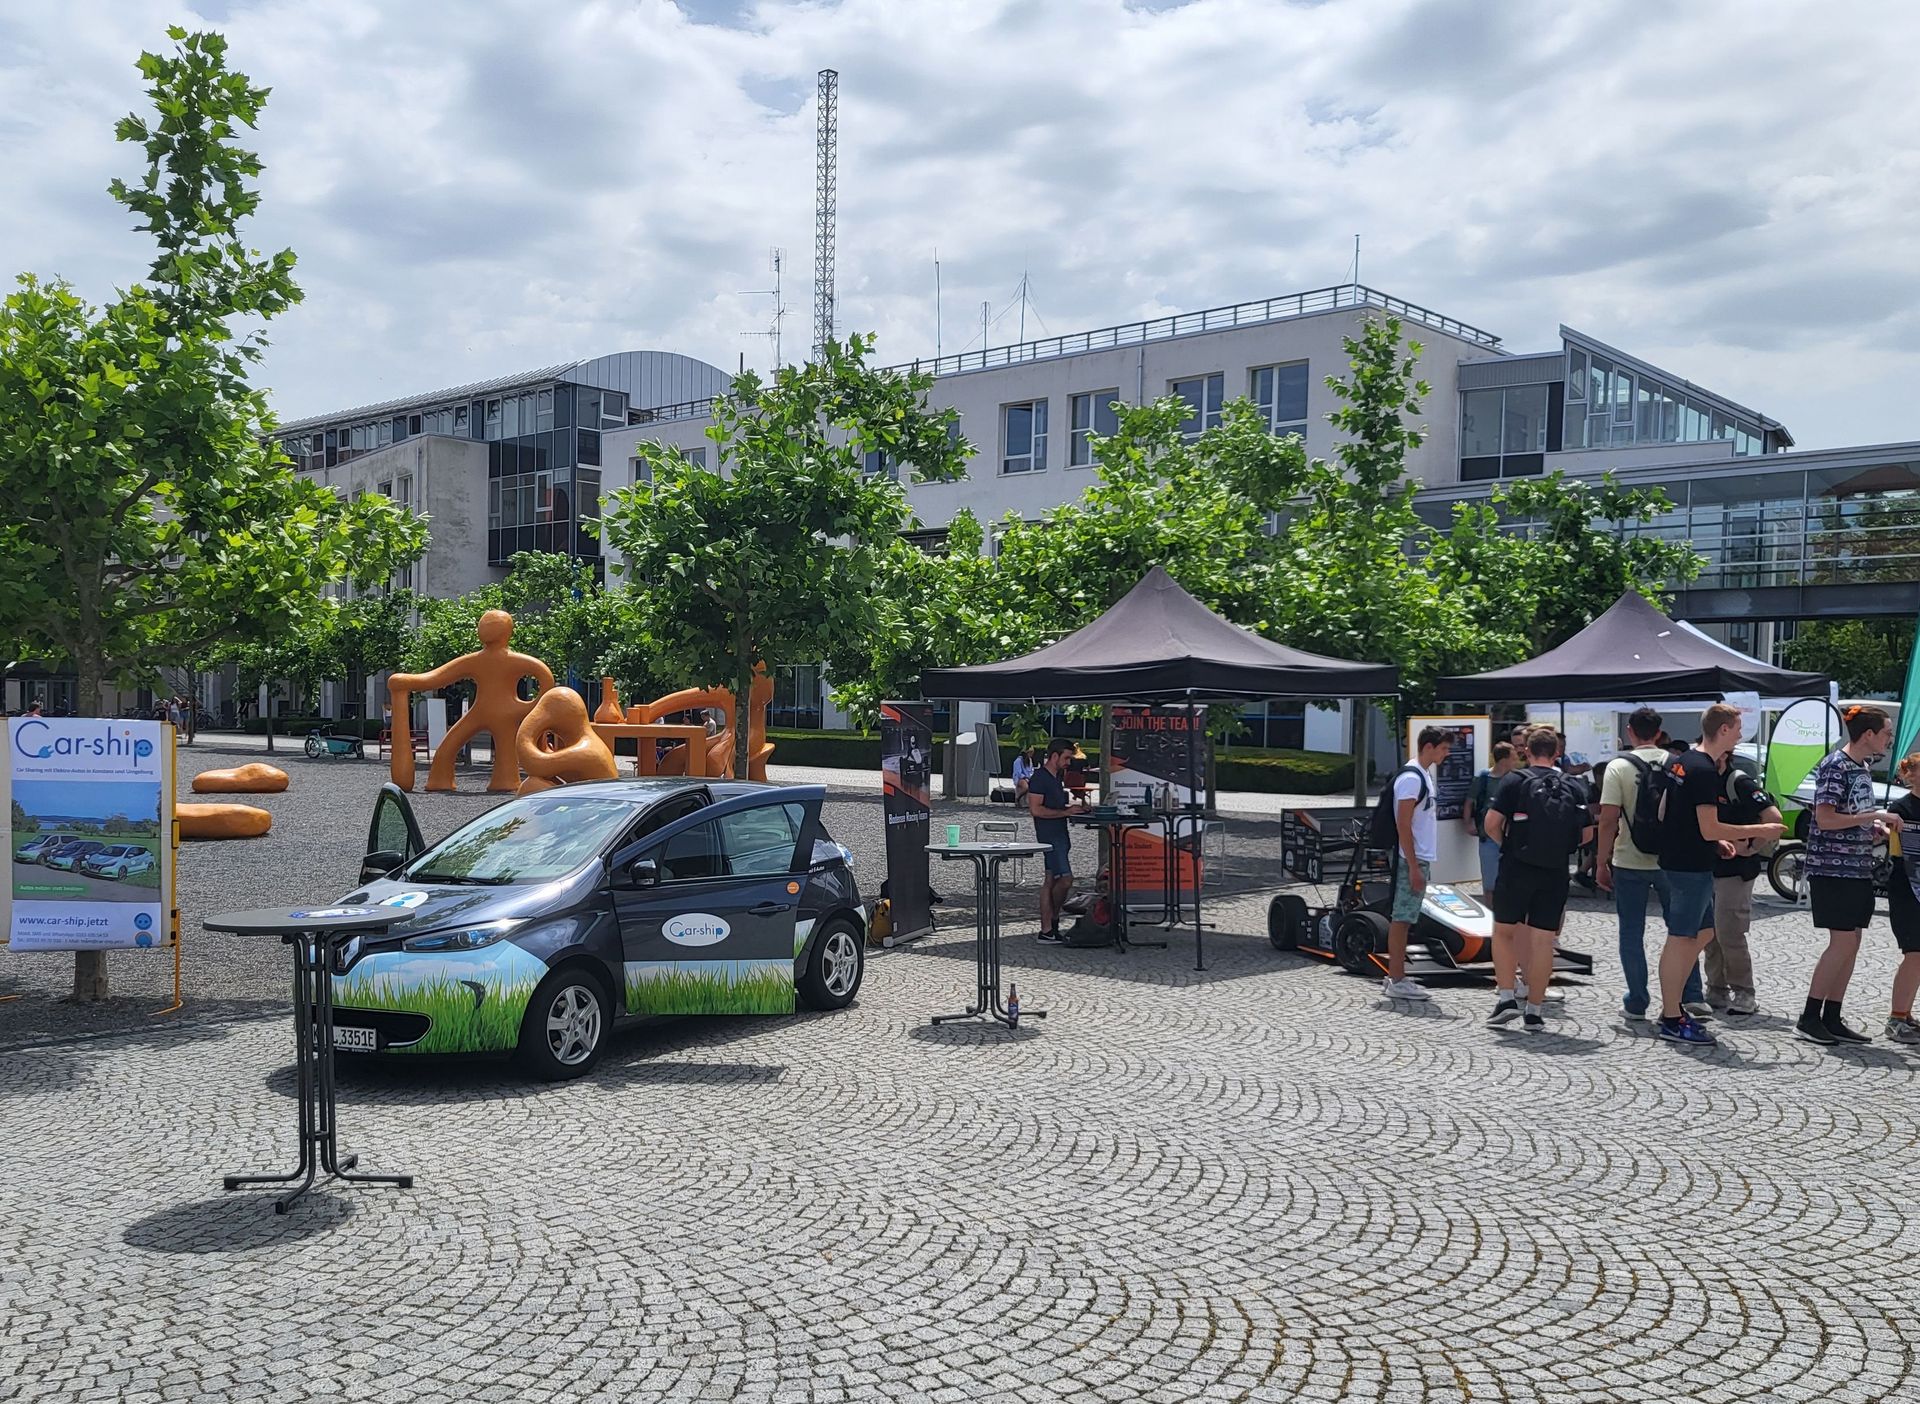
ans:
(557, 745)
(218, 821)
(498, 709)
(609, 709)
(253, 778)
(720, 747)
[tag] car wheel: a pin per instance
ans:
(835, 967)
(1786, 871)
(566, 1025)
(1357, 938)
(1286, 921)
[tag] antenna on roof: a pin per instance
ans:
(1356, 260)
(936, 302)
(772, 333)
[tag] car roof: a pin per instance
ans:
(646, 789)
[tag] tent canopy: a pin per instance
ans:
(1632, 651)
(1158, 643)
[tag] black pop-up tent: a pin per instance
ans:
(1157, 644)
(1632, 652)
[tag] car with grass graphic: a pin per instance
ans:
(38, 850)
(69, 855)
(118, 860)
(539, 926)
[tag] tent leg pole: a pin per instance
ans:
(1360, 729)
(1193, 794)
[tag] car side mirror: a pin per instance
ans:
(378, 864)
(643, 872)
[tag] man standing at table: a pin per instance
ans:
(1049, 804)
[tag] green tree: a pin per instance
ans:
(777, 552)
(1866, 657)
(23, 822)
(370, 633)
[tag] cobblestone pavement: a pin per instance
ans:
(1258, 1182)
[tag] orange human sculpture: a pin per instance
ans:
(558, 745)
(254, 778)
(498, 709)
(217, 821)
(720, 747)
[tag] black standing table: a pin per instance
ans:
(987, 859)
(1117, 824)
(317, 935)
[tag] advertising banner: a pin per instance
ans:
(1802, 734)
(1456, 850)
(91, 840)
(1152, 760)
(906, 768)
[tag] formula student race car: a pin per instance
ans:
(543, 923)
(1454, 931)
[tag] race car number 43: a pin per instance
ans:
(356, 1040)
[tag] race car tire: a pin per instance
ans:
(1286, 921)
(1786, 871)
(573, 993)
(835, 967)
(1357, 938)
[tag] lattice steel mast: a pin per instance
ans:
(826, 198)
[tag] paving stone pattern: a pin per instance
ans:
(1258, 1182)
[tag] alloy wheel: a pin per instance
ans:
(573, 1025)
(840, 962)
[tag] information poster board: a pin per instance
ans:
(91, 834)
(1151, 760)
(1456, 850)
(906, 768)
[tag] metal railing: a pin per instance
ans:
(1242, 314)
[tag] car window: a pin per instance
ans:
(532, 839)
(762, 840)
(669, 811)
(692, 853)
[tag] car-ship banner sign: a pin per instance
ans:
(91, 833)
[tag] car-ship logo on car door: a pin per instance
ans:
(695, 929)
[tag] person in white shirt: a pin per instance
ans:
(1416, 824)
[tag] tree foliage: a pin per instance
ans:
(778, 552)
(1866, 657)
(145, 512)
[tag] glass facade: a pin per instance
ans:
(1612, 406)
(1505, 433)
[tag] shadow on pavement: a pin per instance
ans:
(236, 1223)
(973, 1033)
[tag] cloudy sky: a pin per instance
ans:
(1724, 187)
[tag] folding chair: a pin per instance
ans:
(1003, 830)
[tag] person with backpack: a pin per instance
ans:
(1696, 836)
(1729, 961)
(1474, 813)
(1415, 840)
(1628, 860)
(1539, 818)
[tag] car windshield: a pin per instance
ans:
(533, 839)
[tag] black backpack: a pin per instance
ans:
(1647, 820)
(1548, 828)
(1383, 829)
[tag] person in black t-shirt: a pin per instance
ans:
(1903, 907)
(1729, 961)
(1049, 804)
(1691, 845)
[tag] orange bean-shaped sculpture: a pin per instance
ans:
(220, 821)
(250, 779)
(557, 745)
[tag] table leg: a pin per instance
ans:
(1121, 940)
(329, 1147)
(986, 950)
(303, 1076)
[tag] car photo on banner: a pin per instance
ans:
(539, 926)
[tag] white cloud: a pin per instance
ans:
(477, 187)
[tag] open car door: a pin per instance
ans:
(393, 834)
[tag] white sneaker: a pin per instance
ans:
(1403, 989)
(1552, 996)
(1903, 1031)
(1743, 1003)
(1700, 1009)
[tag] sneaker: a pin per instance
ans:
(1551, 996)
(1841, 1033)
(1533, 1023)
(1505, 1012)
(1698, 1008)
(1402, 989)
(1633, 1016)
(1742, 1004)
(1685, 1030)
(1718, 1000)
(1903, 1030)
(1813, 1031)
(1050, 938)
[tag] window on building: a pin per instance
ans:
(385, 489)
(642, 470)
(542, 411)
(586, 446)
(1092, 414)
(1503, 433)
(613, 407)
(460, 420)
(1023, 437)
(696, 456)
(1205, 395)
(881, 464)
(1280, 394)
(493, 419)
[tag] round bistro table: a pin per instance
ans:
(987, 859)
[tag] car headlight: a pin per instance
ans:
(469, 938)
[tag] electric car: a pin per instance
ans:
(38, 850)
(68, 855)
(541, 924)
(118, 860)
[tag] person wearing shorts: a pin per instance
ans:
(1839, 867)
(1415, 823)
(1903, 907)
(1530, 899)
(1049, 804)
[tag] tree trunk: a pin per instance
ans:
(89, 967)
(742, 712)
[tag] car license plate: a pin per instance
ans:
(350, 1040)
